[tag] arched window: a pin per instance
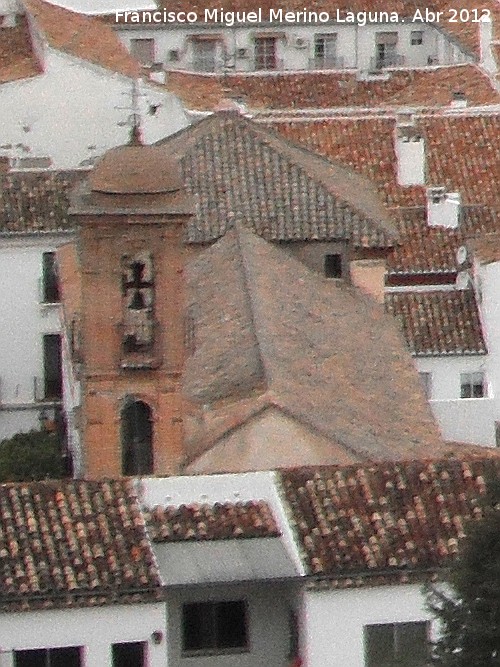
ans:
(137, 439)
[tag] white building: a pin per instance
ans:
(64, 100)
(323, 565)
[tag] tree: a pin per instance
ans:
(31, 456)
(469, 606)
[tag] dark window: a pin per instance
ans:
(426, 380)
(143, 50)
(397, 644)
(130, 654)
(386, 54)
(333, 266)
(417, 37)
(137, 439)
(52, 366)
(472, 385)
(50, 281)
(265, 53)
(215, 626)
(49, 657)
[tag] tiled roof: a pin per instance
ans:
(461, 150)
(386, 519)
(467, 33)
(286, 339)
(17, 58)
(66, 544)
(238, 168)
(220, 521)
(83, 37)
(425, 87)
(438, 322)
(432, 250)
(35, 201)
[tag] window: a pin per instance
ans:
(137, 439)
(333, 266)
(426, 380)
(52, 367)
(397, 644)
(325, 50)
(138, 303)
(129, 654)
(215, 626)
(70, 656)
(204, 55)
(472, 385)
(417, 37)
(50, 281)
(265, 53)
(143, 50)
(386, 55)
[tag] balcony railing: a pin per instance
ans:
(390, 60)
(326, 62)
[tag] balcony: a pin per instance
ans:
(326, 62)
(384, 62)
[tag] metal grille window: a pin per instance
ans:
(472, 385)
(265, 53)
(215, 626)
(204, 55)
(69, 656)
(397, 644)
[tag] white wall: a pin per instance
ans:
(355, 44)
(23, 323)
(95, 628)
(460, 419)
(334, 620)
(76, 111)
(269, 607)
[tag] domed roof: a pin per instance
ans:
(137, 170)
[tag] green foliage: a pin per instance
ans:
(470, 612)
(30, 456)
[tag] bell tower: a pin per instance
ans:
(130, 216)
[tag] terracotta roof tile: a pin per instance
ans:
(384, 519)
(220, 521)
(17, 58)
(35, 201)
(425, 87)
(239, 168)
(438, 322)
(84, 37)
(432, 250)
(65, 544)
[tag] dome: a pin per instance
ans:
(137, 170)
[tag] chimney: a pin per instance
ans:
(409, 147)
(458, 100)
(443, 208)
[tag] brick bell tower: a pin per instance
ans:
(130, 217)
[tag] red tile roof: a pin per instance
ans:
(66, 544)
(36, 201)
(439, 322)
(83, 37)
(220, 521)
(385, 520)
(17, 58)
(426, 87)
(462, 152)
